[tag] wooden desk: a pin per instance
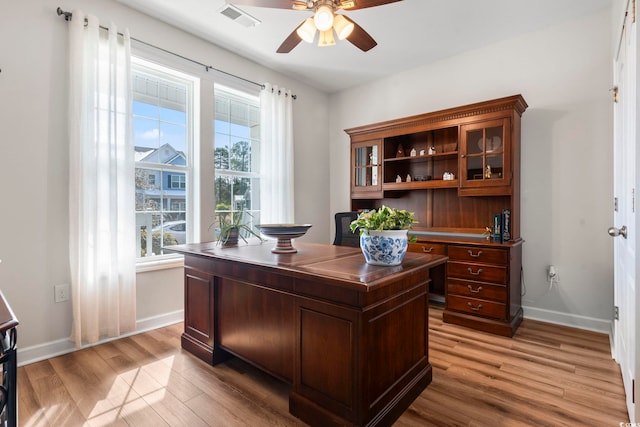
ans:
(351, 338)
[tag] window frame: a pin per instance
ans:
(232, 93)
(168, 71)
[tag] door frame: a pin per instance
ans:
(627, 113)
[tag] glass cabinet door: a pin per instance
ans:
(485, 154)
(366, 158)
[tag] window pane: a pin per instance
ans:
(241, 188)
(240, 155)
(148, 193)
(146, 132)
(173, 116)
(240, 130)
(221, 152)
(145, 110)
(223, 193)
(175, 136)
(222, 126)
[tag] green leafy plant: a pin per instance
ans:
(385, 218)
(231, 227)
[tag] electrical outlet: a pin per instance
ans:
(62, 292)
(552, 274)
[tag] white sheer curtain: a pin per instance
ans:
(101, 182)
(276, 155)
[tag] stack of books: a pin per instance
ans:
(502, 226)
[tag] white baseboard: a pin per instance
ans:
(576, 321)
(40, 352)
(44, 351)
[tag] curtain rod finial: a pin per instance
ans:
(67, 15)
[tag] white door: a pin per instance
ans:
(624, 229)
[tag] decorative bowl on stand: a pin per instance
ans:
(284, 233)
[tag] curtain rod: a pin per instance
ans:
(68, 15)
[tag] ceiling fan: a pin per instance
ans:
(325, 20)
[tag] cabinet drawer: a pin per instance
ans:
(428, 248)
(477, 272)
(478, 254)
(477, 307)
(477, 290)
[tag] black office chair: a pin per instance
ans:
(344, 236)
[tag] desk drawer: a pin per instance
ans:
(428, 248)
(478, 254)
(478, 307)
(477, 272)
(477, 290)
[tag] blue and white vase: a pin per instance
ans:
(384, 247)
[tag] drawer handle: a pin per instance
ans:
(475, 291)
(474, 273)
(427, 251)
(474, 255)
(474, 308)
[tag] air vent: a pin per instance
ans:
(239, 16)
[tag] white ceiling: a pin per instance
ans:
(409, 33)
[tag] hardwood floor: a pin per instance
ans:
(546, 375)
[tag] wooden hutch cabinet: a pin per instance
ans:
(455, 169)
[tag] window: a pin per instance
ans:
(236, 154)
(177, 181)
(168, 107)
(163, 132)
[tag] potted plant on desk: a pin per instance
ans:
(231, 226)
(383, 234)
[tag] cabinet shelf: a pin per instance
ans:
(420, 185)
(424, 158)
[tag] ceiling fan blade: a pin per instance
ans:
(288, 4)
(290, 42)
(363, 4)
(275, 4)
(360, 38)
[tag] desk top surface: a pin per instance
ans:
(337, 263)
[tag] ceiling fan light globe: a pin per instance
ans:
(343, 26)
(323, 18)
(307, 31)
(326, 38)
